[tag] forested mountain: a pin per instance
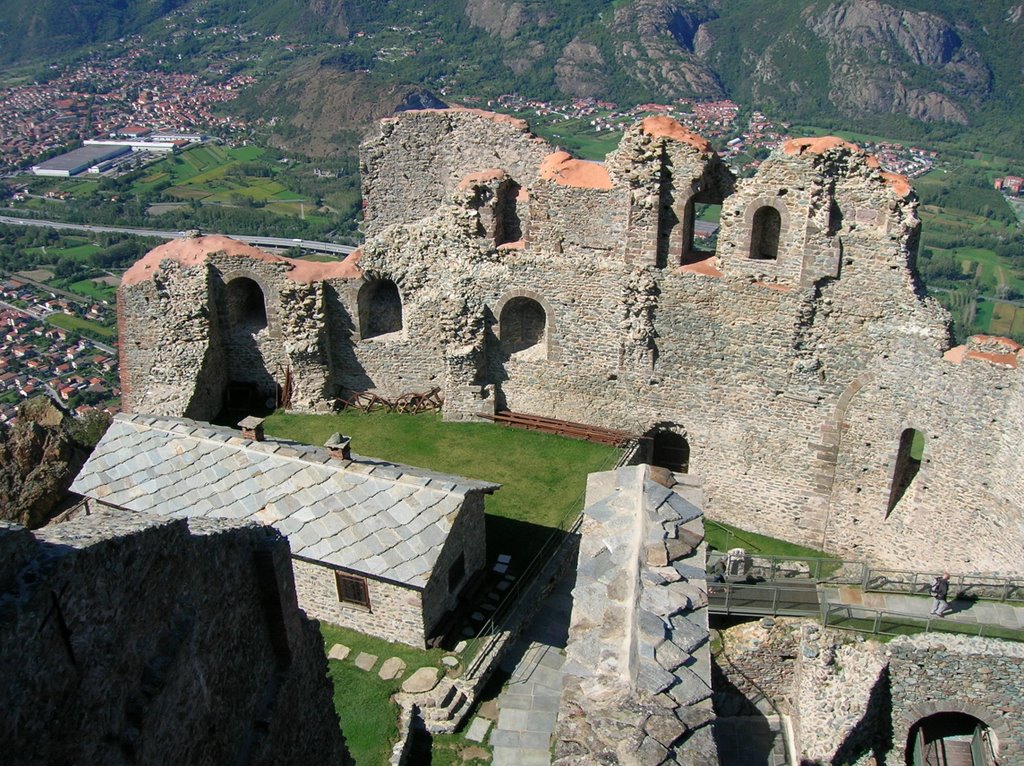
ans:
(939, 66)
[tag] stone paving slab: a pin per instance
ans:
(391, 668)
(366, 661)
(338, 652)
(423, 680)
(478, 729)
(519, 756)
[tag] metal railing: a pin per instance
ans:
(885, 623)
(970, 586)
(490, 633)
(764, 600)
(756, 566)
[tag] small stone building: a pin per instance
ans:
(378, 547)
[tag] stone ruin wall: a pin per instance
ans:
(852, 700)
(129, 639)
(791, 379)
(407, 172)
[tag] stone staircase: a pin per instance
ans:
(443, 708)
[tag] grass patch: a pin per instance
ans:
(543, 476)
(722, 537)
(363, 699)
(95, 289)
(77, 324)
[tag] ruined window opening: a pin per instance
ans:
(670, 450)
(507, 224)
(908, 462)
(456, 572)
(523, 324)
(247, 307)
(765, 232)
(380, 308)
(352, 589)
(699, 229)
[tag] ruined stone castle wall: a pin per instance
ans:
(130, 639)
(792, 374)
(416, 160)
(851, 699)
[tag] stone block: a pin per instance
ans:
(365, 661)
(391, 668)
(421, 681)
(338, 652)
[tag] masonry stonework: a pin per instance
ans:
(792, 360)
(136, 639)
(853, 701)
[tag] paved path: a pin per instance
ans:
(528, 705)
(1006, 615)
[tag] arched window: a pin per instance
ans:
(247, 308)
(764, 234)
(380, 308)
(908, 463)
(523, 326)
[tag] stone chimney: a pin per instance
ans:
(339, 447)
(252, 428)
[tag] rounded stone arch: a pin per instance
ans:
(519, 313)
(240, 300)
(766, 225)
(670, 447)
(380, 308)
(918, 714)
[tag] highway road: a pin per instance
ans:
(277, 242)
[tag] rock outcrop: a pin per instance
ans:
(39, 457)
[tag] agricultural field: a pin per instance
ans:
(246, 189)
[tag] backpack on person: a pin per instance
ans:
(936, 587)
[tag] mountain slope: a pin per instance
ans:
(938, 65)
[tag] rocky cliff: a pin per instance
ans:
(39, 457)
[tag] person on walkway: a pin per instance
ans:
(940, 591)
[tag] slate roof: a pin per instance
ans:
(370, 516)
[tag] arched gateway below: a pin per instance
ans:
(670, 449)
(951, 739)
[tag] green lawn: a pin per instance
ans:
(543, 477)
(363, 699)
(95, 289)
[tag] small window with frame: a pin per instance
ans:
(352, 590)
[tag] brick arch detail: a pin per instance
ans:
(919, 712)
(549, 317)
(356, 291)
(271, 299)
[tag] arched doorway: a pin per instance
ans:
(670, 449)
(250, 387)
(951, 739)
